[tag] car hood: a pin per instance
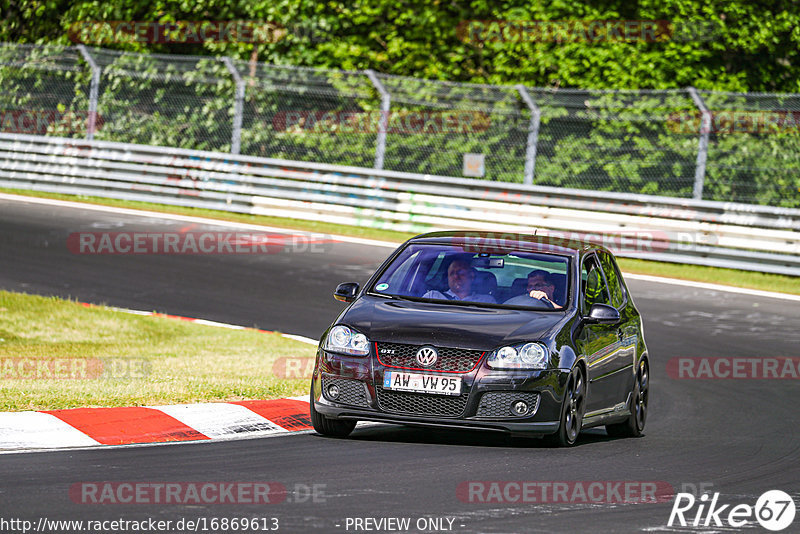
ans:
(446, 325)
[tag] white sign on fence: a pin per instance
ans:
(473, 165)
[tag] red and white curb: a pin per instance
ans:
(88, 427)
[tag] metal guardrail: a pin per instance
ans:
(743, 236)
(682, 143)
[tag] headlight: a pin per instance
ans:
(525, 356)
(347, 341)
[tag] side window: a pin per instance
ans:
(594, 289)
(612, 277)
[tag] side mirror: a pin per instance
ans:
(346, 292)
(602, 314)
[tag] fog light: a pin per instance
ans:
(519, 408)
(333, 392)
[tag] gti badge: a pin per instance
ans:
(427, 356)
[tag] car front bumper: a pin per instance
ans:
(484, 403)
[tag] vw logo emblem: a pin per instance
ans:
(427, 356)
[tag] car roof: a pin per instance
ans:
(571, 244)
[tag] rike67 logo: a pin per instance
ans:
(774, 510)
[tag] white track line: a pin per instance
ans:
(204, 322)
(356, 240)
(189, 218)
(714, 287)
(302, 339)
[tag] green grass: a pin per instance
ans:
(173, 361)
(699, 273)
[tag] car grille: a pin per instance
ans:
(404, 357)
(351, 392)
(421, 403)
(498, 404)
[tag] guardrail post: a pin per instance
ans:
(702, 149)
(94, 90)
(383, 124)
(238, 106)
(533, 134)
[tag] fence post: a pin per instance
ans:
(533, 134)
(238, 106)
(386, 100)
(702, 149)
(94, 90)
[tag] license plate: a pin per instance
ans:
(418, 383)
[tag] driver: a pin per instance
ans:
(460, 275)
(542, 286)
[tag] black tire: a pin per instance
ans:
(634, 425)
(334, 428)
(572, 410)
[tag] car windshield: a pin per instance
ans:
(455, 274)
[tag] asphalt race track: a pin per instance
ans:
(736, 437)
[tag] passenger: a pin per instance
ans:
(541, 285)
(460, 275)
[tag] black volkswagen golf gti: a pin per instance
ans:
(523, 334)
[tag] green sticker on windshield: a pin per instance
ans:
(381, 287)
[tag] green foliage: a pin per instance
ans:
(733, 45)
(588, 139)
